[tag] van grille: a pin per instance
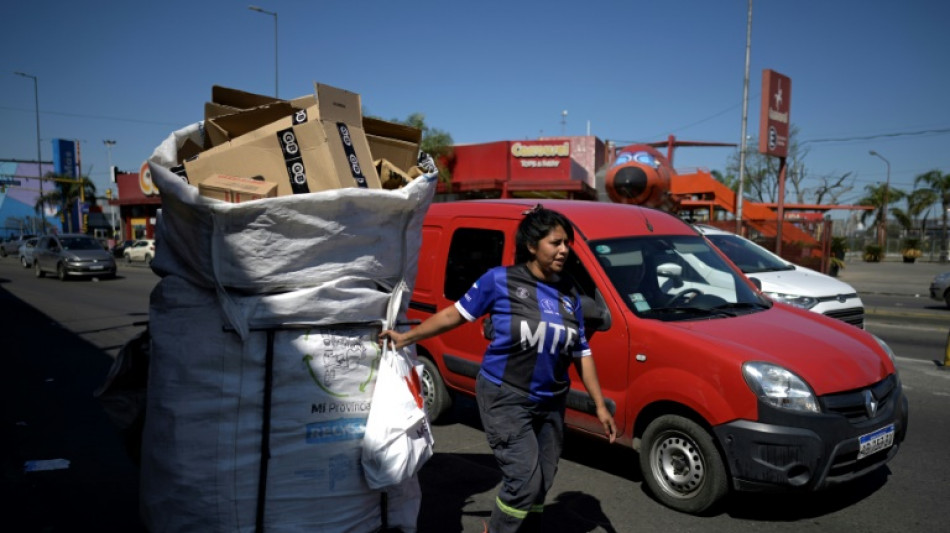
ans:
(853, 316)
(853, 404)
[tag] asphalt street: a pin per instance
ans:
(64, 463)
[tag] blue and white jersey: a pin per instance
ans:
(538, 327)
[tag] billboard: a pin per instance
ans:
(774, 117)
(64, 157)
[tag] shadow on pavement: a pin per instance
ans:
(49, 415)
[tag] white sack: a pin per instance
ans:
(322, 260)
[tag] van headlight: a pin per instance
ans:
(805, 302)
(779, 387)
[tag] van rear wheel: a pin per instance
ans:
(437, 398)
(681, 465)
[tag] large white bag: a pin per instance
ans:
(264, 331)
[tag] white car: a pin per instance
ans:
(140, 250)
(787, 282)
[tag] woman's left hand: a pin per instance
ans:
(610, 427)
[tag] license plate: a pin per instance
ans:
(97, 267)
(876, 441)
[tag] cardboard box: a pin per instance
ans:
(391, 176)
(236, 190)
(396, 143)
(232, 113)
(224, 128)
(341, 115)
(319, 148)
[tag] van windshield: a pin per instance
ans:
(675, 278)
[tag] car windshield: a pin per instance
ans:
(748, 256)
(675, 278)
(80, 243)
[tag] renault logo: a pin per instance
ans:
(870, 404)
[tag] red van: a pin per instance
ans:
(717, 387)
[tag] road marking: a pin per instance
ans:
(925, 327)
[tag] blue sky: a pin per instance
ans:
(866, 74)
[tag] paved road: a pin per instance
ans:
(48, 413)
(891, 277)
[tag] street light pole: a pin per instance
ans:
(39, 158)
(882, 230)
(264, 11)
(109, 144)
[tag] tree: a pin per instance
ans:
(435, 142)
(762, 179)
(875, 198)
(67, 193)
(919, 203)
(940, 184)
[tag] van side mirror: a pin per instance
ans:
(756, 282)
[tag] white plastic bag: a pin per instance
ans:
(398, 440)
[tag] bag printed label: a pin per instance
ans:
(341, 365)
(336, 430)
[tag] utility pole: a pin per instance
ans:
(109, 144)
(745, 113)
(39, 158)
(264, 11)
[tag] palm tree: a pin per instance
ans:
(919, 202)
(68, 192)
(875, 198)
(940, 184)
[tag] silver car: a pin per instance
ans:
(72, 255)
(26, 252)
(940, 288)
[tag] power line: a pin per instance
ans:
(97, 117)
(940, 131)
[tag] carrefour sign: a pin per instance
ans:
(525, 149)
(542, 159)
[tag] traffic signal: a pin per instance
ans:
(109, 193)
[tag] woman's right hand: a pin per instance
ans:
(397, 339)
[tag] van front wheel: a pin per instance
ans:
(437, 398)
(681, 465)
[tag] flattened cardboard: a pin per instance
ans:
(342, 119)
(390, 175)
(291, 152)
(236, 190)
(239, 99)
(314, 149)
(396, 143)
(224, 128)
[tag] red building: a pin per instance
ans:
(138, 203)
(550, 167)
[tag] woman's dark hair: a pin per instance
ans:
(537, 223)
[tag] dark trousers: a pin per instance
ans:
(526, 438)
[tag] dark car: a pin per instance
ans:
(120, 247)
(72, 255)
